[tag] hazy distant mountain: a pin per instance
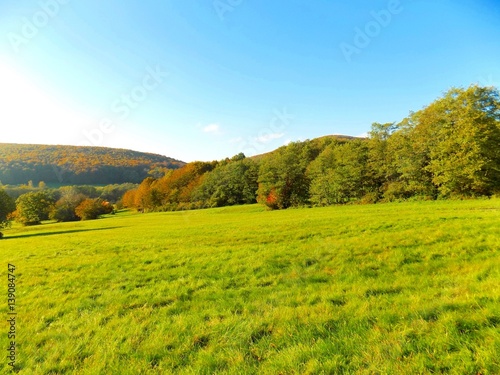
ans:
(20, 163)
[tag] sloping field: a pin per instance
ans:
(406, 288)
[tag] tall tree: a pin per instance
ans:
(408, 158)
(232, 182)
(339, 173)
(32, 208)
(380, 158)
(282, 176)
(463, 128)
(7, 206)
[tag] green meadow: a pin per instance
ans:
(397, 288)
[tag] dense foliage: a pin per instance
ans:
(77, 165)
(91, 209)
(448, 149)
(35, 204)
(7, 206)
(33, 208)
(65, 207)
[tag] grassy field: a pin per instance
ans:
(404, 288)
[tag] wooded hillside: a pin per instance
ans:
(449, 149)
(21, 163)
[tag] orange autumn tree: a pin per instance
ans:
(91, 209)
(173, 191)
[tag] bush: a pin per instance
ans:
(369, 198)
(91, 209)
(64, 212)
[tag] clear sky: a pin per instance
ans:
(205, 79)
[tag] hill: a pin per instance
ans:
(20, 163)
(319, 143)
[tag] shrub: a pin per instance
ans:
(91, 209)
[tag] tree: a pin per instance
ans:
(146, 198)
(282, 176)
(410, 156)
(232, 182)
(177, 188)
(380, 158)
(32, 208)
(64, 209)
(463, 133)
(339, 173)
(129, 198)
(113, 193)
(91, 209)
(7, 206)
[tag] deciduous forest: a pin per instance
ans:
(449, 149)
(73, 165)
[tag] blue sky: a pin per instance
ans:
(205, 79)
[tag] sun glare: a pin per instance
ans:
(30, 114)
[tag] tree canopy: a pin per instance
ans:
(7, 206)
(451, 148)
(77, 165)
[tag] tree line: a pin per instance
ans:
(31, 205)
(449, 149)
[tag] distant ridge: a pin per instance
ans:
(55, 164)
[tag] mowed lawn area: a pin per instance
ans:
(399, 288)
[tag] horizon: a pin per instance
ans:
(150, 152)
(207, 81)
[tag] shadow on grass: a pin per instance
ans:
(54, 233)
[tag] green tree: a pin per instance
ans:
(230, 183)
(7, 206)
(32, 208)
(463, 131)
(409, 150)
(282, 176)
(339, 173)
(380, 158)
